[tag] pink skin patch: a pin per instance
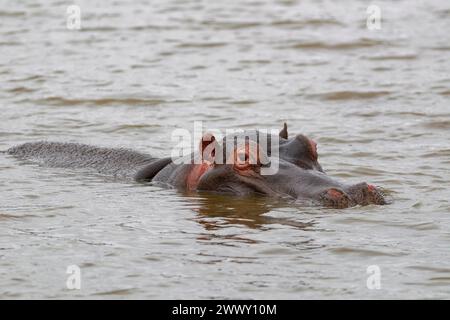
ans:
(335, 194)
(371, 188)
(313, 147)
(196, 173)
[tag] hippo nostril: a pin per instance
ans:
(365, 194)
(336, 198)
(375, 195)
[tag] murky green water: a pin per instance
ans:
(377, 102)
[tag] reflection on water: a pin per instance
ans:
(377, 103)
(216, 211)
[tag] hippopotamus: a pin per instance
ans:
(298, 176)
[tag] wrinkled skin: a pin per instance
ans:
(299, 174)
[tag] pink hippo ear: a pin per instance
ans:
(208, 148)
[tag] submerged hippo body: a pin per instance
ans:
(299, 174)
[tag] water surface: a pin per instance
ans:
(377, 103)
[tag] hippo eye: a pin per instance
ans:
(242, 160)
(243, 157)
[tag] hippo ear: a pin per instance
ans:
(207, 147)
(284, 132)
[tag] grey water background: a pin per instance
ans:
(376, 101)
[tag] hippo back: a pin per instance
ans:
(120, 163)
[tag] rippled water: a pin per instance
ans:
(377, 103)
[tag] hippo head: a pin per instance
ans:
(298, 174)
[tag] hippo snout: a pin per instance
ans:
(365, 194)
(359, 194)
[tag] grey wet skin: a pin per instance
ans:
(299, 174)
